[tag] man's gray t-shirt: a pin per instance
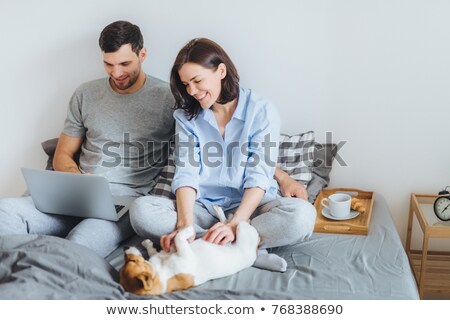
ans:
(126, 135)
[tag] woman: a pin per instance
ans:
(226, 154)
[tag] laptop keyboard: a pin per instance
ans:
(118, 207)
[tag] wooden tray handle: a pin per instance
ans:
(348, 189)
(352, 192)
(336, 228)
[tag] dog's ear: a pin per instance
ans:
(146, 278)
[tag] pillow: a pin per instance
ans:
(164, 180)
(324, 155)
(49, 147)
(296, 156)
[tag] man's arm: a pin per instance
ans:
(290, 187)
(64, 154)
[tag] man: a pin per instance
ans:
(122, 124)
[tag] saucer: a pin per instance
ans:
(326, 213)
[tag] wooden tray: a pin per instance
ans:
(357, 225)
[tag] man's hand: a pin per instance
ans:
(290, 187)
(293, 188)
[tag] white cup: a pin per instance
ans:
(338, 204)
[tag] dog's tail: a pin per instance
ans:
(220, 214)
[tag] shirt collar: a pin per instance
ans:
(241, 108)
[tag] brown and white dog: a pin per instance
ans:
(191, 265)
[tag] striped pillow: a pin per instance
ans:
(296, 156)
(164, 180)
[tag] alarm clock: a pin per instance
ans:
(442, 205)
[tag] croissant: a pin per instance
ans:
(357, 205)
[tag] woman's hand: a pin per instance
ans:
(168, 239)
(220, 233)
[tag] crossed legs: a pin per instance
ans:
(279, 222)
(20, 216)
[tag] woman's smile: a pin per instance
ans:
(200, 97)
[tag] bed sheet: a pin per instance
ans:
(327, 266)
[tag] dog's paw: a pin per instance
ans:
(147, 243)
(132, 250)
(186, 233)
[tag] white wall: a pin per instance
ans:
(374, 73)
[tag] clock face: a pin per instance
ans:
(442, 208)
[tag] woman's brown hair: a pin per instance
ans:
(209, 55)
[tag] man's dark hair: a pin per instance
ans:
(119, 33)
(209, 55)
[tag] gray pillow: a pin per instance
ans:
(49, 147)
(324, 155)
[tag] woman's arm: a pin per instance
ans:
(185, 206)
(250, 201)
(186, 180)
(222, 233)
(185, 215)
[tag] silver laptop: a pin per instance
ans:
(80, 195)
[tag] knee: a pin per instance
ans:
(146, 213)
(12, 222)
(4, 208)
(148, 202)
(77, 235)
(138, 208)
(143, 208)
(302, 220)
(140, 215)
(305, 219)
(13, 205)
